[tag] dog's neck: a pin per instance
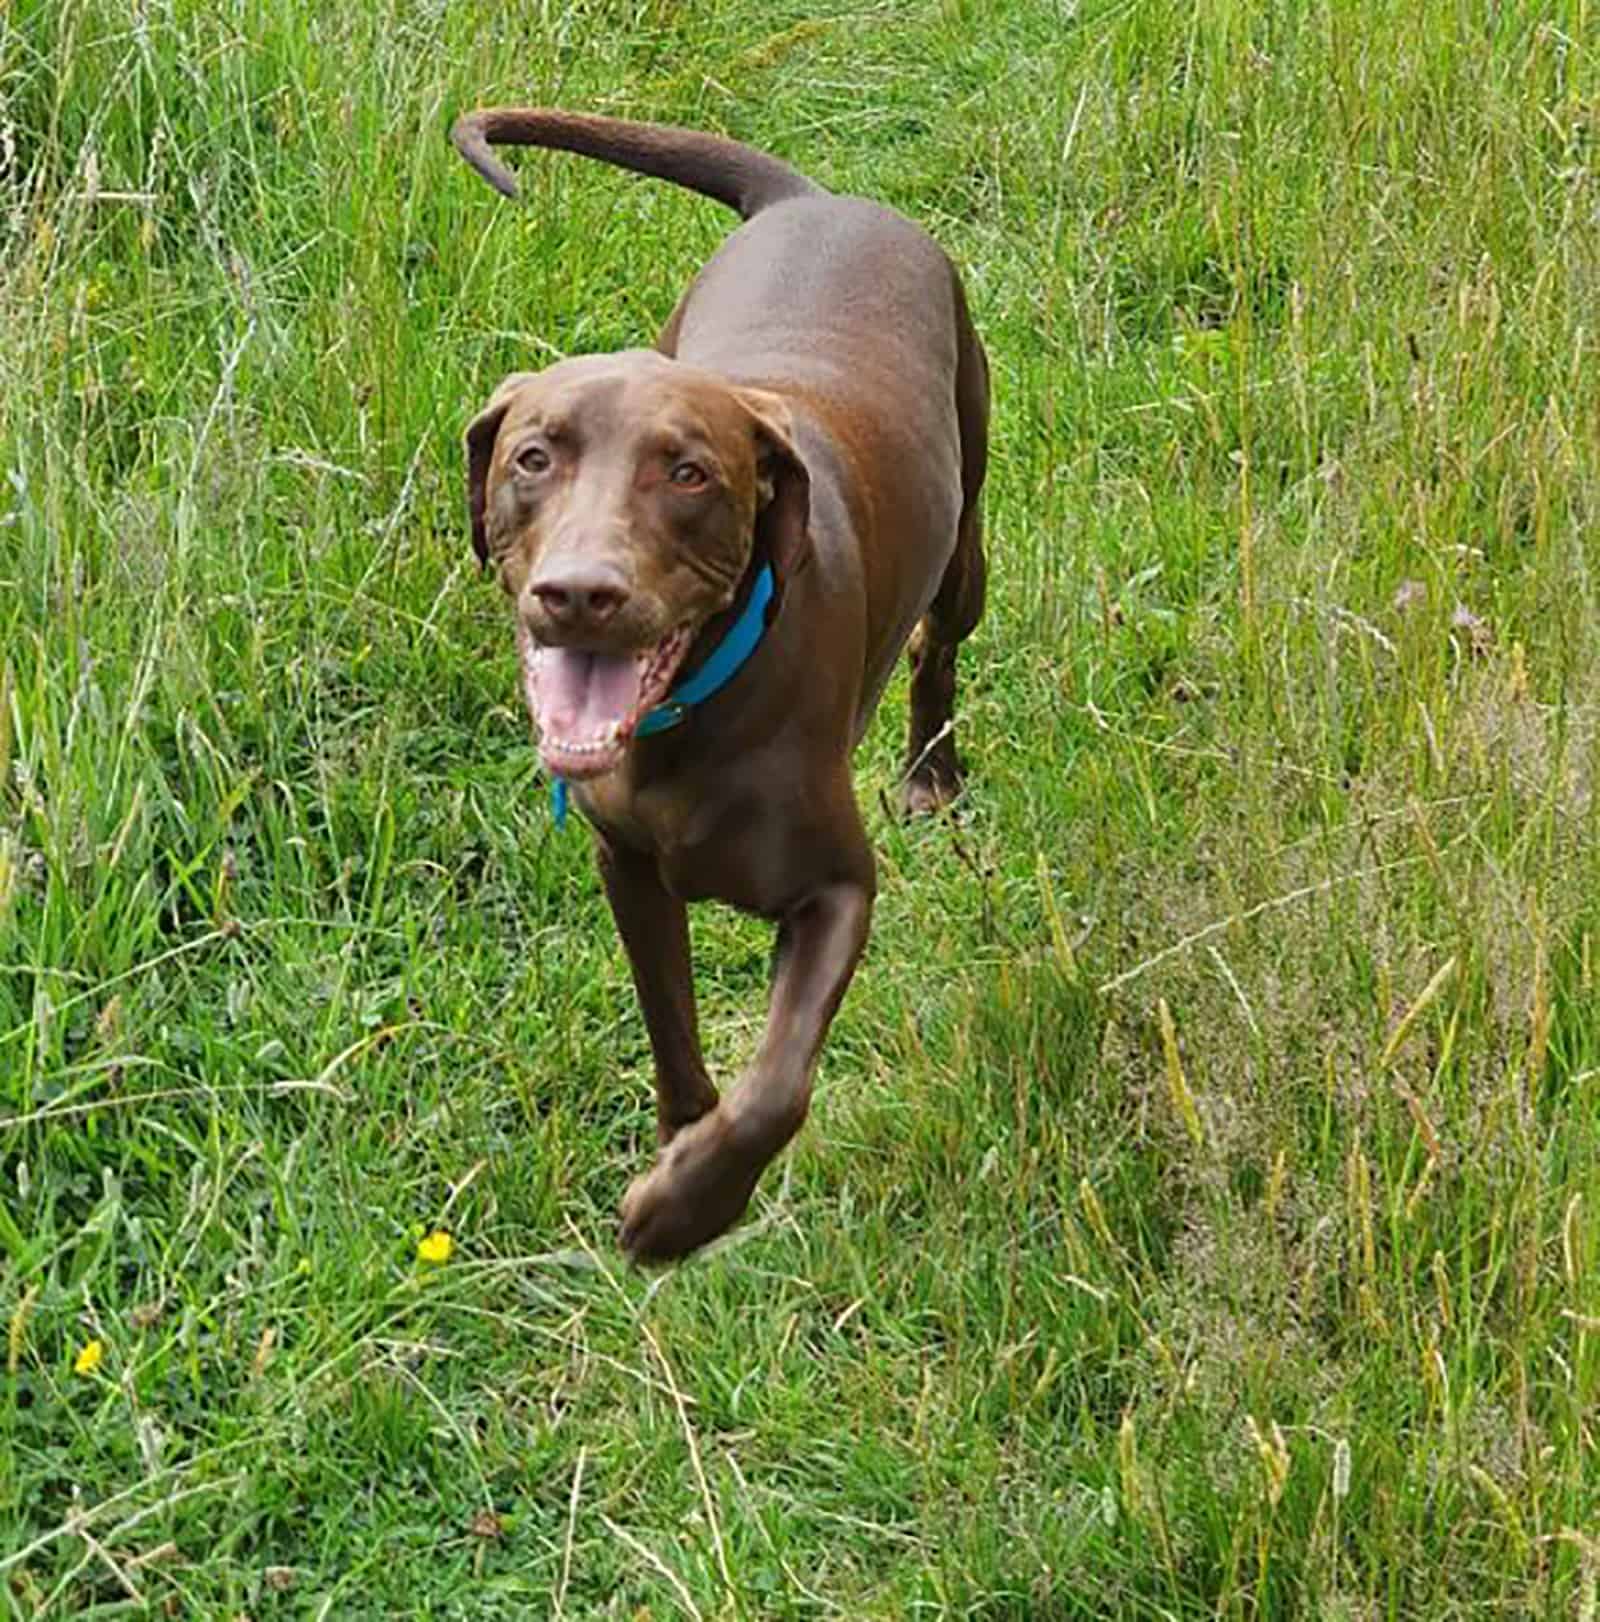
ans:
(727, 656)
(711, 635)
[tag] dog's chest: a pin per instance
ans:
(709, 847)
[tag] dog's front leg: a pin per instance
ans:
(704, 1179)
(654, 927)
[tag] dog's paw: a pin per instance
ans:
(697, 1189)
(926, 792)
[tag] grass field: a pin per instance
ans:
(1200, 1211)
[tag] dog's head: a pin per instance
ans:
(620, 498)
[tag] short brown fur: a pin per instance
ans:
(823, 368)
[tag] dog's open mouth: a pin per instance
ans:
(586, 705)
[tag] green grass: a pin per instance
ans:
(1284, 717)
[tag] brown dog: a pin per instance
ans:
(817, 403)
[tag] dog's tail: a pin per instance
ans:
(738, 175)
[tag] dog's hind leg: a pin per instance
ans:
(933, 768)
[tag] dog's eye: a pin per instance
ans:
(688, 476)
(533, 459)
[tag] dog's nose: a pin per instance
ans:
(574, 598)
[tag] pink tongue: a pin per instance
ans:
(581, 694)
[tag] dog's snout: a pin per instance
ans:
(575, 598)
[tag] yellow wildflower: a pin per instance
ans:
(88, 1360)
(436, 1247)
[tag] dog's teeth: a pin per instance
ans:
(598, 744)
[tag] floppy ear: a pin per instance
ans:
(783, 487)
(481, 434)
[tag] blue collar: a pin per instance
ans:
(725, 661)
